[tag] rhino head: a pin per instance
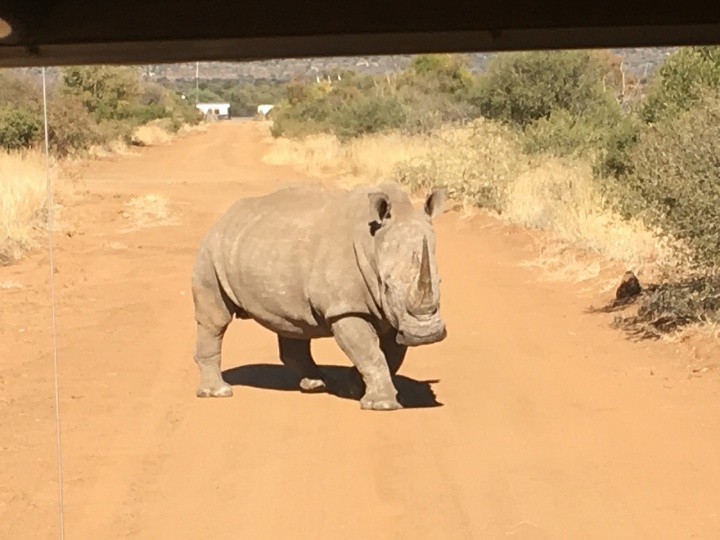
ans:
(404, 253)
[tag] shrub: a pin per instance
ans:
(423, 98)
(71, 128)
(617, 144)
(115, 130)
(245, 98)
(523, 87)
(19, 128)
(676, 172)
(566, 135)
(368, 115)
(438, 74)
(142, 114)
(680, 82)
(108, 92)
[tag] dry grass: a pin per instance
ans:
(366, 159)
(22, 202)
(151, 134)
(158, 132)
(148, 211)
(562, 197)
(197, 128)
(23, 190)
(476, 163)
(114, 147)
(482, 164)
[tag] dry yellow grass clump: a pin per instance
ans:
(151, 134)
(148, 211)
(22, 202)
(482, 164)
(371, 158)
(563, 197)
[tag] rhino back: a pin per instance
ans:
(287, 259)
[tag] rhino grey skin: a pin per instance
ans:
(311, 262)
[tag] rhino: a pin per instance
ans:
(310, 262)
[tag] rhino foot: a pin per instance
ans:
(378, 403)
(312, 385)
(221, 391)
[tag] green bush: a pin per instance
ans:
(115, 130)
(142, 114)
(345, 112)
(521, 88)
(245, 98)
(564, 134)
(676, 172)
(438, 74)
(298, 116)
(681, 80)
(368, 115)
(19, 128)
(620, 139)
(428, 94)
(89, 105)
(71, 127)
(108, 92)
(307, 108)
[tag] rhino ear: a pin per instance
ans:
(379, 206)
(435, 202)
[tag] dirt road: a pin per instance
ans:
(533, 420)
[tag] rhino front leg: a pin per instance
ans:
(358, 340)
(295, 353)
(394, 356)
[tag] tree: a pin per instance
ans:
(680, 82)
(523, 87)
(108, 92)
(444, 73)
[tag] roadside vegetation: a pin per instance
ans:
(92, 111)
(564, 141)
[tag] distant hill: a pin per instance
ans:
(640, 61)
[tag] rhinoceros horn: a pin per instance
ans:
(421, 299)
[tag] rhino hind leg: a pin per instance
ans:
(207, 357)
(295, 354)
(213, 314)
(358, 340)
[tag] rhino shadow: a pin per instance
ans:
(412, 394)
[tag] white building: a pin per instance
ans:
(221, 110)
(264, 109)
